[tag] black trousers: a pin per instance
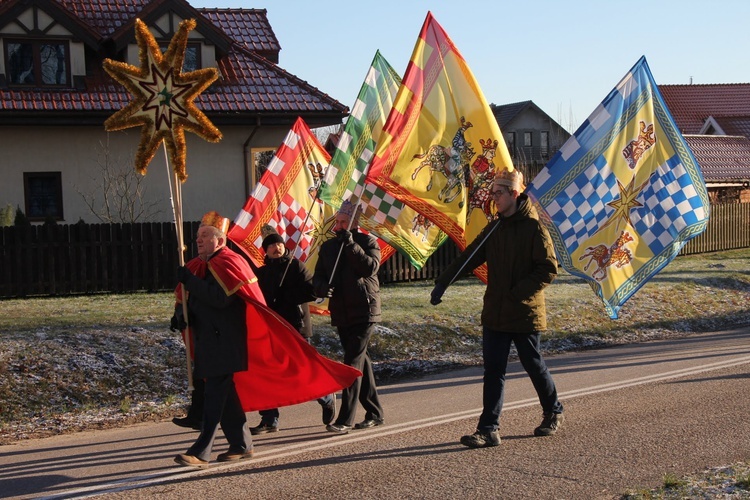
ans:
(195, 412)
(354, 341)
(222, 407)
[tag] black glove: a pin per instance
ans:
(345, 237)
(177, 323)
(437, 293)
(183, 274)
(325, 292)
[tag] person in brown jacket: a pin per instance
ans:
(521, 261)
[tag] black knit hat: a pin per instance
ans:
(270, 236)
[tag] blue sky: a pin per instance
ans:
(565, 56)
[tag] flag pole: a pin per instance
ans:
(358, 194)
(304, 223)
(360, 187)
(473, 253)
(175, 198)
(358, 190)
(341, 248)
(296, 243)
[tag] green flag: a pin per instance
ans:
(384, 216)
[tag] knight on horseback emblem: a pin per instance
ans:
(455, 163)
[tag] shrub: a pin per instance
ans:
(6, 216)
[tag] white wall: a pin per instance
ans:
(216, 174)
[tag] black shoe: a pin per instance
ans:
(481, 439)
(339, 428)
(187, 422)
(551, 423)
(329, 411)
(263, 428)
(369, 422)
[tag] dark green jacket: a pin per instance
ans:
(520, 261)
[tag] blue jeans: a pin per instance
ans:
(495, 351)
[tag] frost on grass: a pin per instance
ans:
(729, 482)
(58, 381)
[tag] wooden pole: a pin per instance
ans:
(175, 194)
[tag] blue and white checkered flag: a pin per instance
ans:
(624, 193)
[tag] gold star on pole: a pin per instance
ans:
(163, 97)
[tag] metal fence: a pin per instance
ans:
(103, 258)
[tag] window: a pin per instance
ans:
(510, 140)
(192, 59)
(544, 146)
(43, 193)
(261, 160)
(527, 139)
(36, 62)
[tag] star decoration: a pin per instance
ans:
(163, 97)
(624, 204)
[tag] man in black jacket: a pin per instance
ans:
(287, 287)
(347, 273)
(218, 321)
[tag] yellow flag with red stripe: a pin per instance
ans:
(441, 145)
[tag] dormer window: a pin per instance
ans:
(192, 59)
(37, 62)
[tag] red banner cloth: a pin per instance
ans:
(283, 369)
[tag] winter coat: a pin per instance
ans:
(287, 297)
(218, 324)
(521, 262)
(356, 288)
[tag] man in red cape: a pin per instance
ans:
(281, 369)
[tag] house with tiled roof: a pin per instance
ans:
(532, 136)
(56, 156)
(715, 120)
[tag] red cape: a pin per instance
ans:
(283, 369)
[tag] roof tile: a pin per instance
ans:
(734, 125)
(251, 83)
(247, 26)
(721, 157)
(691, 105)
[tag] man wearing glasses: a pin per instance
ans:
(521, 261)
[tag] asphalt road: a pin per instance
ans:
(633, 413)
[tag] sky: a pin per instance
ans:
(566, 56)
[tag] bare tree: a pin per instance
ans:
(119, 196)
(261, 161)
(322, 133)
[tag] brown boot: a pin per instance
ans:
(190, 460)
(551, 423)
